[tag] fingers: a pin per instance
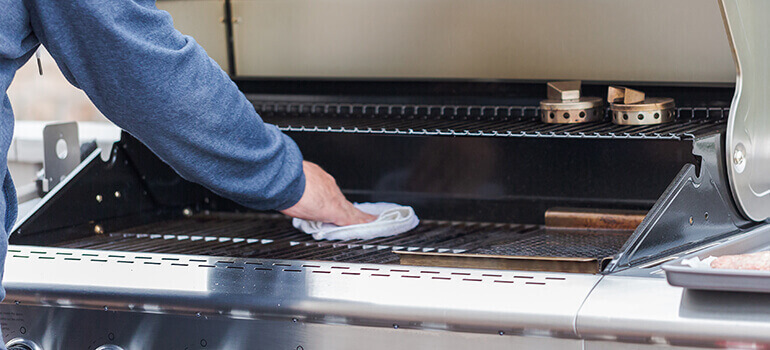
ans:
(323, 200)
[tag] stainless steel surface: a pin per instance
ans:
(565, 105)
(204, 21)
(651, 40)
(648, 310)
(682, 275)
(142, 331)
(486, 121)
(748, 144)
(61, 152)
(426, 298)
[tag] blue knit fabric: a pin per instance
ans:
(158, 85)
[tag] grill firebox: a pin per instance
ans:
(480, 172)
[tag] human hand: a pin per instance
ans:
(323, 201)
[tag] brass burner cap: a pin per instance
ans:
(653, 110)
(565, 105)
(586, 109)
(631, 107)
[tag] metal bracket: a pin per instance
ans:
(61, 152)
(748, 127)
(695, 209)
(101, 196)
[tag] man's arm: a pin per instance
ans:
(163, 88)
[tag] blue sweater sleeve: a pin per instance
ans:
(162, 87)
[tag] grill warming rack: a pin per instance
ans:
(494, 121)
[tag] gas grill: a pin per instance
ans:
(532, 234)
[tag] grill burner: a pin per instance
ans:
(631, 107)
(273, 237)
(565, 105)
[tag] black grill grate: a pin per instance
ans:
(562, 243)
(493, 121)
(273, 237)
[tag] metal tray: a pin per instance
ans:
(685, 276)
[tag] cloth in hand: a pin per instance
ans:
(392, 219)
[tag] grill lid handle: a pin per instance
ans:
(748, 125)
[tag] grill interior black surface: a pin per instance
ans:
(273, 237)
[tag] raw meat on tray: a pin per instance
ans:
(753, 261)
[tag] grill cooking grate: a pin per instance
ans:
(496, 121)
(273, 237)
(562, 243)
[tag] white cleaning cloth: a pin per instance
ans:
(697, 263)
(392, 219)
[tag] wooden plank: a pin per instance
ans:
(589, 218)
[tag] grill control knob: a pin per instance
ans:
(22, 344)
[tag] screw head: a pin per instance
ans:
(117, 194)
(187, 212)
(99, 198)
(739, 158)
(98, 229)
